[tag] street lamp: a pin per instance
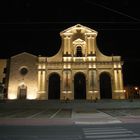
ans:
(136, 88)
(136, 92)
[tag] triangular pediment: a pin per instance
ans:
(78, 28)
(79, 41)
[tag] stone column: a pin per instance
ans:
(67, 43)
(88, 44)
(39, 80)
(67, 87)
(116, 86)
(91, 80)
(64, 82)
(90, 39)
(43, 79)
(92, 43)
(92, 90)
(120, 79)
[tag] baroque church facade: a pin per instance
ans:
(78, 71)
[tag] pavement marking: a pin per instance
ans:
(118, 132)
(16, 113)
(9, 114)
(55, 113)
(124, 139)
(39, 137)
(101, 122)
(104, 129)
(34, 115)
(112, 136)
(110, 133)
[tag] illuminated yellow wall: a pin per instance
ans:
(16, 78)
(92, 63)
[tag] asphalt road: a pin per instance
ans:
(36, 113)
(61, 113)
(72, 132)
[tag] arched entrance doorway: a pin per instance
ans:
(22, 89)
(54, 86)
(105, 86)
(79, 86)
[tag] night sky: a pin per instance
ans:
(34, 27)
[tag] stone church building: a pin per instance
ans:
(78, 71)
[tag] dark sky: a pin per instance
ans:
(34, 26)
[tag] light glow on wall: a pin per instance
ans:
(12, 91)
(68, 66)
(92, 66)
(115, 66)
(43, 66)
(91, 58)
(119, 91)
(39, 67)
(31, 96)
(66, 92)
(119, 65)
(96, 91)
(21, 84)
(67, 58)
(32, 91)
(12, 96)
(79, 59)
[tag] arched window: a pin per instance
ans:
(79, 51)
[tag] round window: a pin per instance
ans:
(23, 71)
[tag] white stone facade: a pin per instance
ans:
(78, 56)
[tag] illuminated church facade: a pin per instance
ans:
(78, 71)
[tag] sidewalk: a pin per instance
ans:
(35, 122)
(77, 118)
(83, 112)
(130, 119)
(96, 117)
(82, 117)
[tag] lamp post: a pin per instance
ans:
(136, 92)
(131, 93)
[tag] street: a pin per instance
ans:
(77, 123)
(72, 132)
